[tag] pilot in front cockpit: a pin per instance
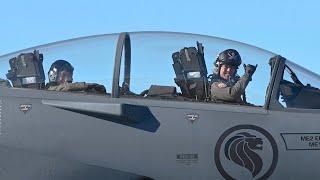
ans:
(226, 85)
(60, 77)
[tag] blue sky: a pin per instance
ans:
(290, 28)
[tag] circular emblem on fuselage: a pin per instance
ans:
(246, 152)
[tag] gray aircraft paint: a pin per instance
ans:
(53, 132)
(52, 141)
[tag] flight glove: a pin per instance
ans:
(97, 87)
(249, 69)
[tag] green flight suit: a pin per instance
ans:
(78, 86)
(229, 91)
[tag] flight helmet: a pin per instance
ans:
(228, 57)
(60, 71)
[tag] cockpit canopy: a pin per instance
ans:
(93, 59)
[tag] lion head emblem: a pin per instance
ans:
(241, 149)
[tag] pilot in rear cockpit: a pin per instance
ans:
(61, 76)
(226, 85)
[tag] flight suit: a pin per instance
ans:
(78, 86)
(229, 90)
(5, 83)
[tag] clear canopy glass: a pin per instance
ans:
(151, 60)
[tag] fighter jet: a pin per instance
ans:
(156, 119)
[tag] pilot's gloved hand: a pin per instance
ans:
(100, 88)
(97, 87)
(124, 89)
(249, 69)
